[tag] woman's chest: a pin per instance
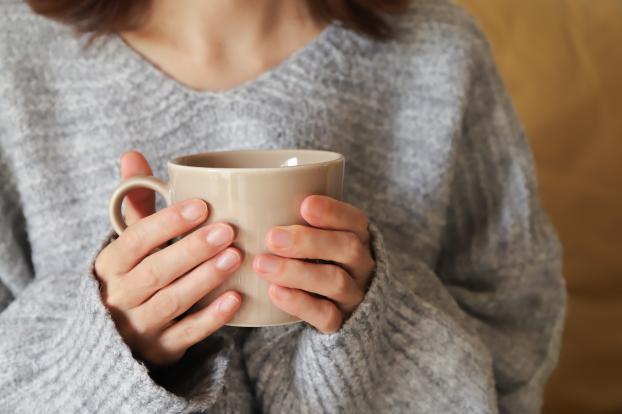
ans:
(67, 162)
(67, 152)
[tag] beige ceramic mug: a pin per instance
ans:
(254, 190)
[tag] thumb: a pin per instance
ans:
(141, 201)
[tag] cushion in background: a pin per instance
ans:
(562, 63)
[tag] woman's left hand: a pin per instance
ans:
(322, 294)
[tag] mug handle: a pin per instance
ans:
(116, 201)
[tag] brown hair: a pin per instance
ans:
(105, 16)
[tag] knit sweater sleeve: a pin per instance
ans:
(60, 350)
(501, 255)
(477, 331)
(58, 346)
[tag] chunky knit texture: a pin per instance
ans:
(465, 309)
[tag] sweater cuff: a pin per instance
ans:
(93, 361)
(90, 348)
(369, 317)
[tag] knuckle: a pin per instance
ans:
(132, 240)
(352, 247)
(193, 246)
(100, 265)
(190, 334)
(195, 330)
(167, 304)
(197, 242)
(149, 276)
(114, 299)
(339, 281)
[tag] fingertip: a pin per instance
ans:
(237, 251)
(256, 263)
(129, 153)
(228, 261)
(194, 209)
(281, 239)
(312, 208)
(304, 206)
(201, 206)
(227, 224)
(235, 293)
(229, 302)
(127, 156)
(268, 240)
(207, 210)
(134, 163)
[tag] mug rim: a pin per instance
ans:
(177, 161)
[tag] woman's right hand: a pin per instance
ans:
(146, 291)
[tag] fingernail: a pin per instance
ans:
(280, 292)
(268, 264)
(280, 238)
(228, 304)
(193, 210)
(219, 235)
(227, 260)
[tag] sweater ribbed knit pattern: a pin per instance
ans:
(466, 304)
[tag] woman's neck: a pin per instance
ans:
(217, 44)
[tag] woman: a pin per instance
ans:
(446, 297)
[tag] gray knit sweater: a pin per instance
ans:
(465, 308)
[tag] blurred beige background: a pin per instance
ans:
(562, 63)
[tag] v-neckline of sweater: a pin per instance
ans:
(317, 48)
